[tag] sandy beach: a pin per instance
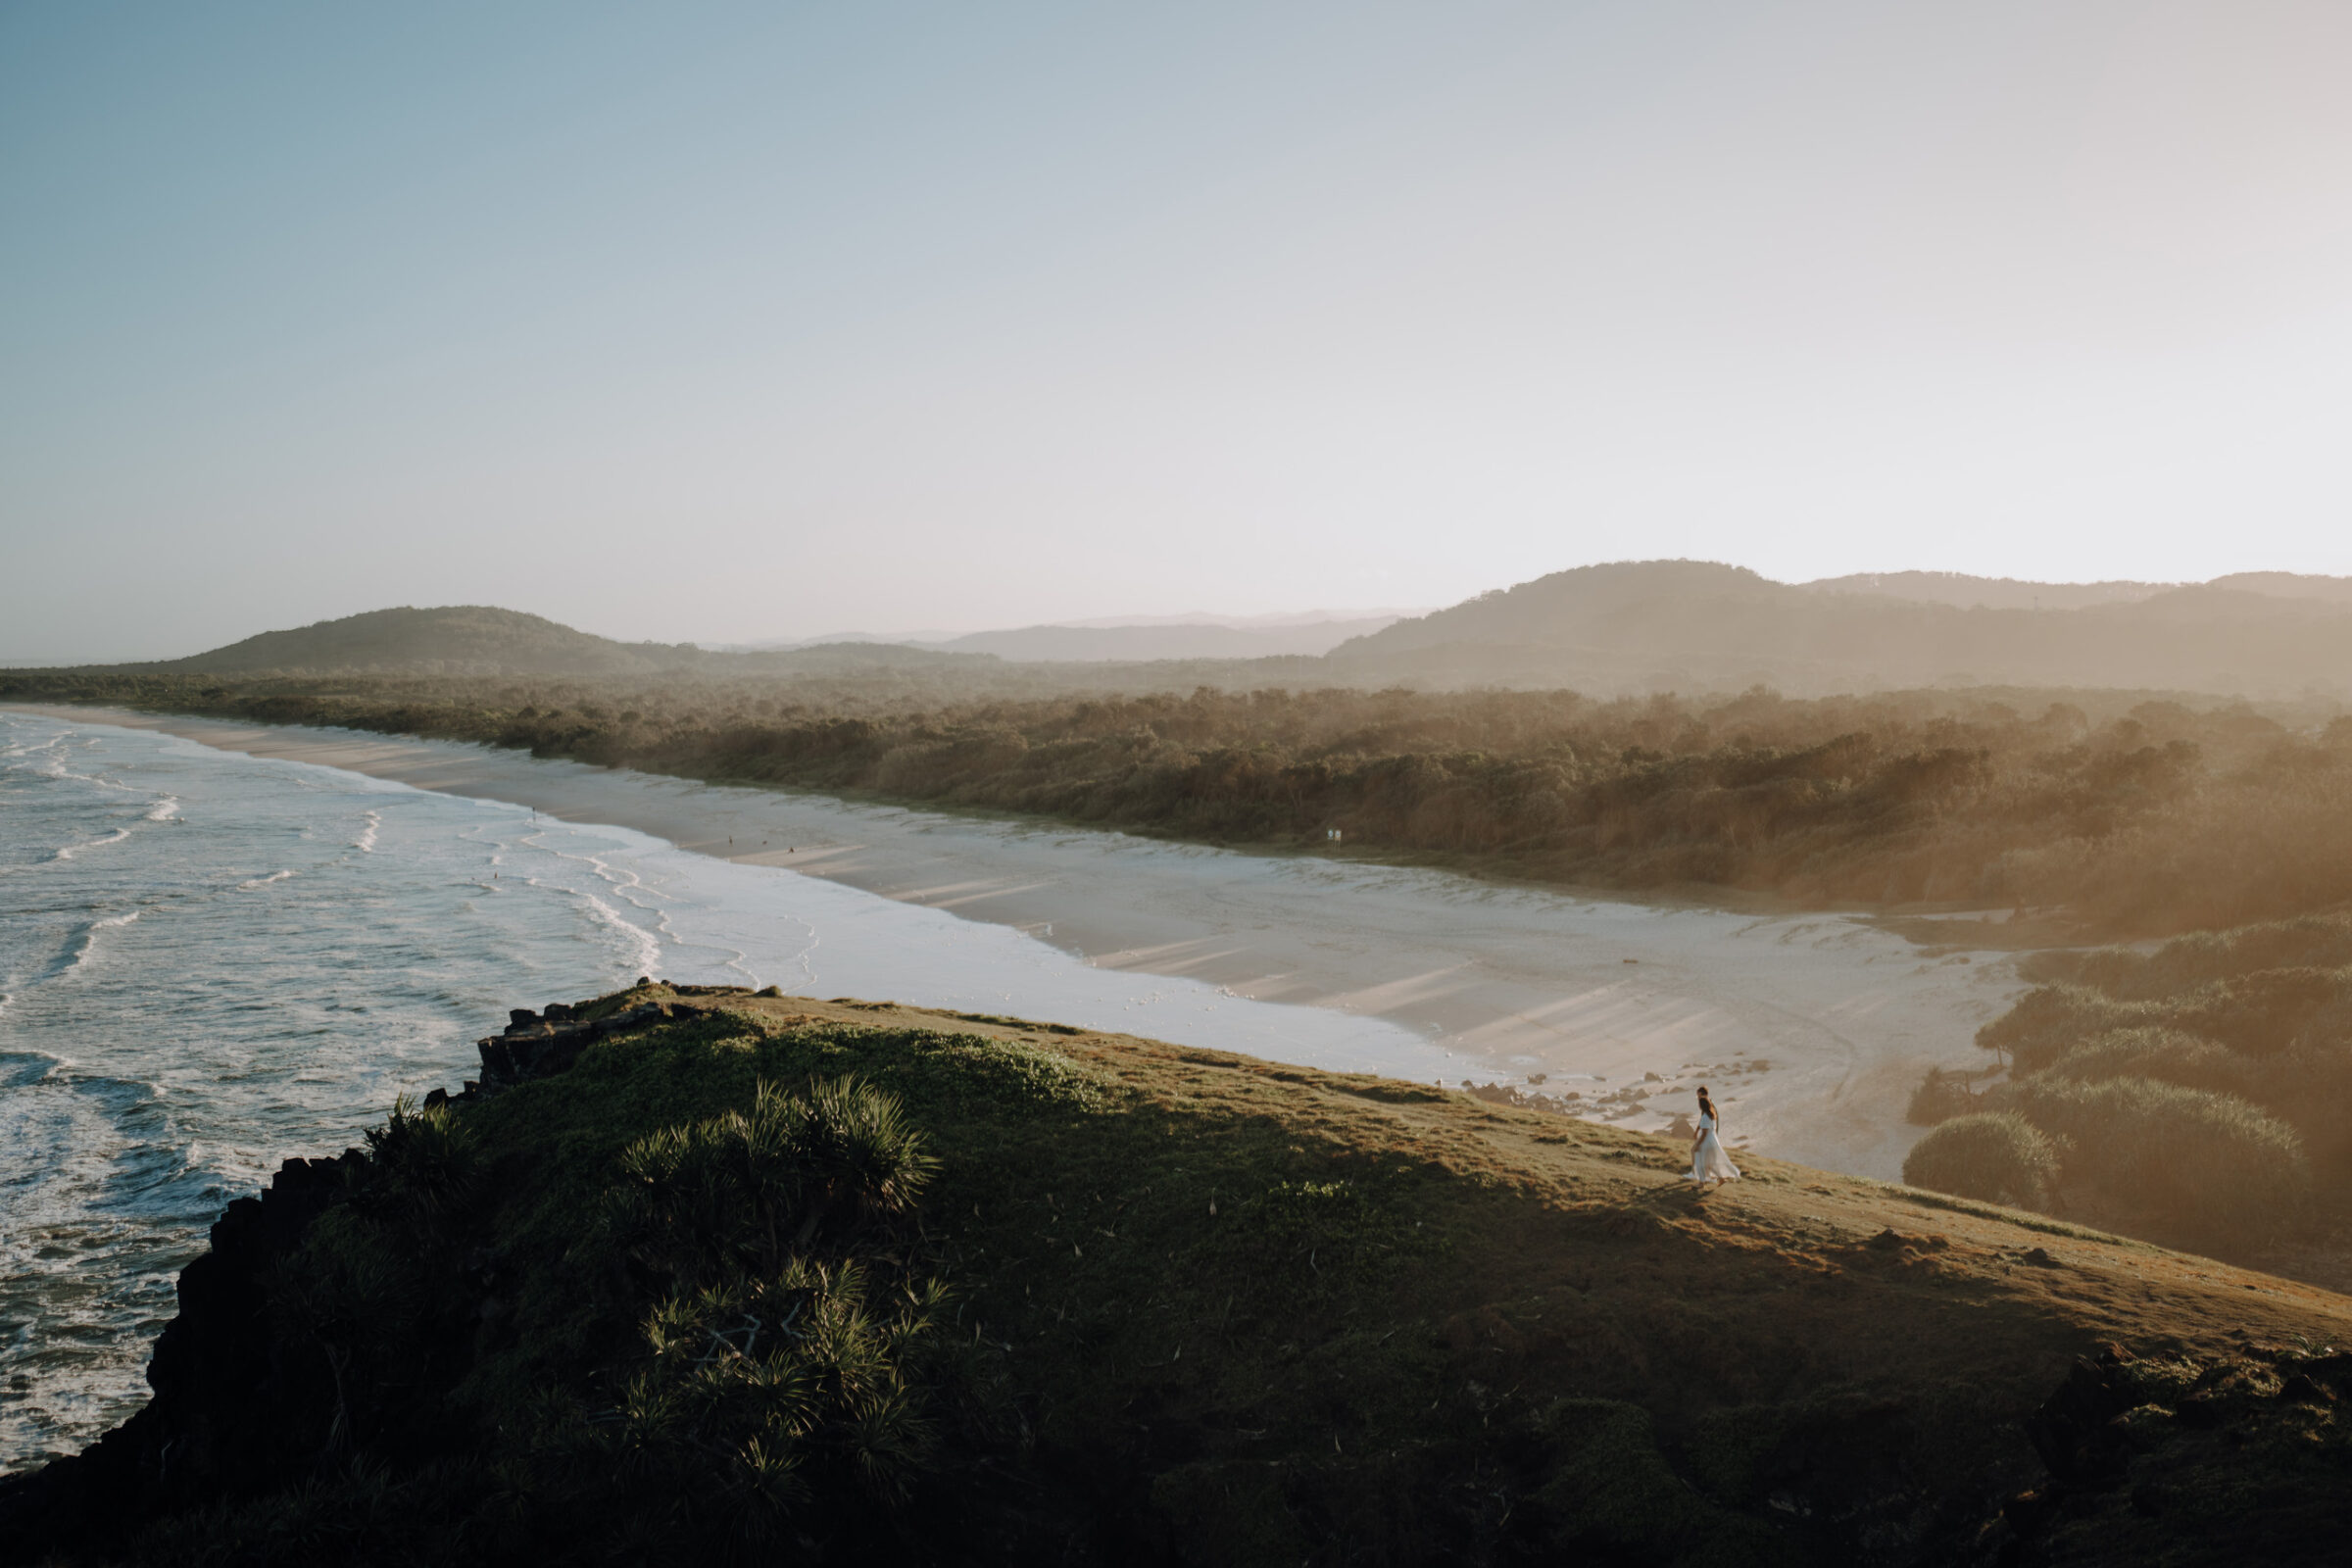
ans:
(1812, 1030)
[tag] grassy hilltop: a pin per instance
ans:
(760, 1278)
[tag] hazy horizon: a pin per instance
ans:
(719, 326)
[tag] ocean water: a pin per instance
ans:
(209, 962)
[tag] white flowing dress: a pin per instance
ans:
(1711, 1163)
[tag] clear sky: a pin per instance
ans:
(729, 322)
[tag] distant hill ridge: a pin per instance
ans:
(1697, 625)
(2012, 593)
(463, 638)
(1139, 638)
(1991, 593)
(484, 640)
(1106, 644)
(1625, 626)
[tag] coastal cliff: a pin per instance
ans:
(693, 1272)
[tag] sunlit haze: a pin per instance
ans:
(744, 323)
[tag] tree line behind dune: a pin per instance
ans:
(2107, 813)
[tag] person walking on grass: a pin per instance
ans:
(1709, 1164)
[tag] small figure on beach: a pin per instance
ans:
(1708, 1162)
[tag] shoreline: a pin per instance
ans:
(1812, 1029)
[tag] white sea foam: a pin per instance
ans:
(643, 947)
(54, 766)
(626, 883)
(262, 881)
(164, 809)
(366, 842)
(82, 945)
(72, 850)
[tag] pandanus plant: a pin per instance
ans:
(771, 1352)
(425, 1165)
(856, 1157)
(754, 1188)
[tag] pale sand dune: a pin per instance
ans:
(1512, 981)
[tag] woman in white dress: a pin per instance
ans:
(1708, 1162)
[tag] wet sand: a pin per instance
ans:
(1811, 1030)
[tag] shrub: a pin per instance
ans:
(2259, 1013)
(790, 1353)
(2207, 1168)
(2309, 942)
(2114, 970)
(1940, 1096)
(750, 1190)
(2309, 1088)
(1998, 1156)
(2049, 1020)
(2166, 1055)
(425, 1165)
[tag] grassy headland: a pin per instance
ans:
(2104, 814)
(776, 1278)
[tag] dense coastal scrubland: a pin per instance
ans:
(2101, 813)
(702, 1275)
(2200, 1095)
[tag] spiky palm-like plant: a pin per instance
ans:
(859, 1157)
(424, 1164)
(751, 1189)
(774, 1357)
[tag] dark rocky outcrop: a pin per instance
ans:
(536, 1045)
(217, 1424)
(216, 1377)
(2231, 1461)
(2073, 1431)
